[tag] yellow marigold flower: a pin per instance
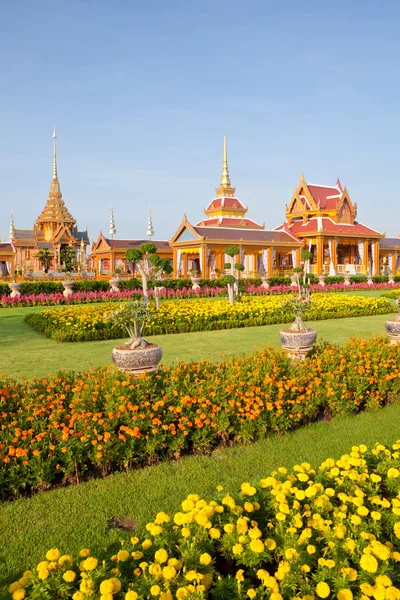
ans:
(248, 507)
(300, 495)
(355, 520)
(363, 511)
(106, 587)
(84, 552)
(393, 473)
(276, 596)
(311, 549)
(345, 594)
(237, 549)
(90, 563)
(123, 555)
(134, 541)
(147, 544)
(185, 532)
(131, 595)
(247, 490)
(69, 576)
(161, 555)
(376, 515)
(168, 572)
(155, 569)
(53, 554)
(322, 589)
(182, 593)
(191, 575)
(18, 594)
(137, 555)
(78, 596)
(214, 533)
(229, 528)
(239, 575)
(270, 544)
(305, 568)
(166, 595)
(380, 550)
(290, 553)
(369, 563)
(396, 529)
(43, 573)
(383, 580)
(205, 559)
(155, 590)
(254, 533)
(66, 560)
(14, 586)
(251, 593)
(256, 546)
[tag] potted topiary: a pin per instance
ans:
(150, 266)
(393, 327)
(137, 356)
(298, 340)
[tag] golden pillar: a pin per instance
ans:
(393, 266)
(334, 253)
(366, 253)
(269, 259)
(175, 262)
(376, 258)
(185, 265)
(298, 257)
(320, 255)
(203, 251)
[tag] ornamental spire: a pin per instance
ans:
(12, 228)
(55, 155)
(225, 188)
(150, 230)
(112, 231)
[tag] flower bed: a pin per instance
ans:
(88, 297)
(326, 532)
(84, 323)
(70, 425)
(394, 294)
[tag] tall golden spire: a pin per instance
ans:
(225, 188)
(55, 155)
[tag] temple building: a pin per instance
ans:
(54, 228)
(108, 254)
(324, 218)
(201, 248)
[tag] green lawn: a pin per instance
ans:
(77, 516)
(25, 353)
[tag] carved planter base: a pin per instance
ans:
(393, 331)
(265, 282)
(114, 284)
(297, 343)
(15, 287)
(139, 361)
(68, 288)
(196, 283)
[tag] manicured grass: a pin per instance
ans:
(25, 353)
(78, 516)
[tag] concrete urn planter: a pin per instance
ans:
(114, 283)
(196, 283)
(265, 282)
(370, 279)
(15, 289)
(393, 327)
(321, 280)
(68, 288)
(347, 279)
(137, 361)
(297, 343)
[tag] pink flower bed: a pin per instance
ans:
(89, 297)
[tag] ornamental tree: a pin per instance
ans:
(132, 316)
(150, 266)
(67, 258)
(232, 280)
(44, 258)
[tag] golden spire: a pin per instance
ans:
(55, 155)
(225, 188)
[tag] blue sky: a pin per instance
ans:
(142, 94)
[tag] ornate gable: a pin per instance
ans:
(346, 210)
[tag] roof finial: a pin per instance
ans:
(225, 188)
(112, 231)
(55, 154)
(150, 230)
(12, 228)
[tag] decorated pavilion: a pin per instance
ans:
(201, 248)
(108, 254)
(54, 228)
(323, 217)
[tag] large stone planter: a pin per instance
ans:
(138, 361)
(293, 281)
(321, 280)
(347, 279)
(15, 287)
(196, 284)
(297, 343)
(265, 282)
(391, 279)
(114, 283)
(68, 288)
(370, 279)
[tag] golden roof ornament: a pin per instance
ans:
(225, 188)
(12, 228)
(55, 154)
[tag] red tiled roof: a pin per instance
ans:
(321, 194)
(6, 247)
(226, 202)
(329, 226)
(390, 243)
(126, 244)
(229, 222)
(245, 235)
